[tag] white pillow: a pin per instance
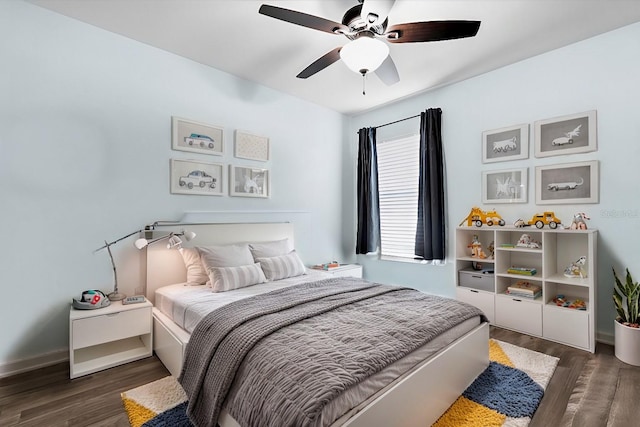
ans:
(228, 278)
(225, 256)
(270, 249)
(281, 267)
(196, 275)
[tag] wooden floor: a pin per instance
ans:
(586, 390)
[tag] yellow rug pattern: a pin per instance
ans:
(505, 394)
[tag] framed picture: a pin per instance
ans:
(195, 177)
(189, 135)
(505, 186)
(573, 183)
(510, 143)
(566, 135)
(252, 147)
(247, 181)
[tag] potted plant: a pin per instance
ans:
(626, 297)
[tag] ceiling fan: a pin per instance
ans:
(366, 26)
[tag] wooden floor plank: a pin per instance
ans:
(625, 409)
(586, 390)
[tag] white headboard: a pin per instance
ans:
(165, 266)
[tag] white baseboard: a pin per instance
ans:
(605, 338)
(29, 364)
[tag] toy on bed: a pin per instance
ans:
(578, 222)
(476, 248)
(576, 269)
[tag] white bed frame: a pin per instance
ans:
(417, 400)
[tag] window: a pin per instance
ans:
(398, 171)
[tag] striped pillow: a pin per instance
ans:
(281, 267)
(229, 278)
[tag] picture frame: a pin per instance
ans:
(196, 178)
(508, 143)
(568, 183)
(572, 134)
(250, 146)
(196, 137)
(249, 181)
(505, 186)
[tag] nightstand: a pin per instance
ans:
(109, 336)
(346, 270)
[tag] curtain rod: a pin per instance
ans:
(397, 121)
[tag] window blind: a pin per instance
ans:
(398, 170)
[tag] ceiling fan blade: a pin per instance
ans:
(302, 19)
(320, 63)
(374, 12)
(431, 31)
(387, 72)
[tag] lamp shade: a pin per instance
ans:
(189, 235)
(364, 54)
(141, 243)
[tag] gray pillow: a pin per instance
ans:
(281, 267)
(270, 249)
(225, 256)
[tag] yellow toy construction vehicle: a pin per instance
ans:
(478, 217)
(540, 219)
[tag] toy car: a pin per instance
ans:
(540, 219)
(199, 178)
(478, 217)
(569, 185)
(203, 141)
(567, 138)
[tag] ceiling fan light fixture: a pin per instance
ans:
(364, 54)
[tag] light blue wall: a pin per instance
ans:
(85, 148)
(85, 143)
(597, 74)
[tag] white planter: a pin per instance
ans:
(627, 344)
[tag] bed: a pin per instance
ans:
(414, 390)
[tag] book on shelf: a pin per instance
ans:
(524, 287)
(526, 271)
(524, 294)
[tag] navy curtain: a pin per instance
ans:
(430, 231)
(368, 234)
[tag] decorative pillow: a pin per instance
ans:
(228, 278)
(196, 275)
(225, 256)
(270, 249)
(281, 267)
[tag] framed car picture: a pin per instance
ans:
(571, 134)
(570, 183)
(197, 137)
(198, 178)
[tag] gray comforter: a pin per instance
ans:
(298, 348)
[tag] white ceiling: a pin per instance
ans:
(231, 36)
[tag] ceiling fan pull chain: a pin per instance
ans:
(364, 76)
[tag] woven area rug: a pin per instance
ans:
(507, 393)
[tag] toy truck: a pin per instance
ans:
(478, 217)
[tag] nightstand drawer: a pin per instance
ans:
(110, 327)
